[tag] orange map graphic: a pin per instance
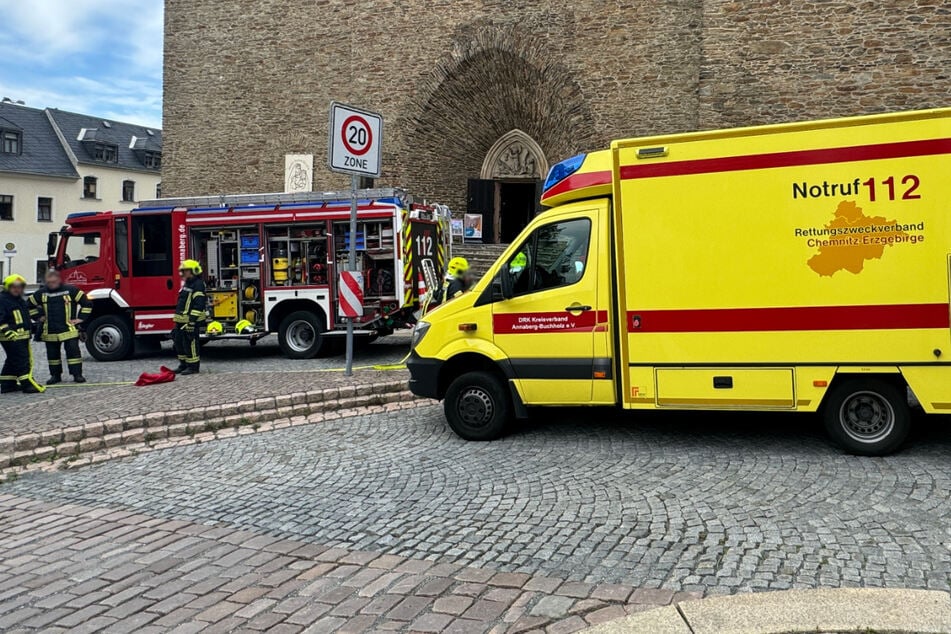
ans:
(851, 255)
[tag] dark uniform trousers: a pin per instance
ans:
(189, 317)
(185, 342)
(59, 307)
(17, 371)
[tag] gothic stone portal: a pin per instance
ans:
(510, 186)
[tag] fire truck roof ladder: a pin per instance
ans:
(248, 200)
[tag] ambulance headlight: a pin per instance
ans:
(422, 327)
(561, 171)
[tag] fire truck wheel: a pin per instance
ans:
(109, 338)
(867, 417)
(477, 406)
(300, 335)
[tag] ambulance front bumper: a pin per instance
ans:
(424, 376)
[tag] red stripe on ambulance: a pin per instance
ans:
(927, 147)
(874, 317)
(789, 159)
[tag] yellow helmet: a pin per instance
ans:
(458, 267)
(10, 280)
(244, 326)
(215, 328)
(191, 265)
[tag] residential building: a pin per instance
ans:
(53, 163)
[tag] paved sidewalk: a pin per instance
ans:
(83, 569)
(829, 611)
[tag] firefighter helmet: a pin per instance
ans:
(11, 280)
(215, 328)
(458, 267)
(191, 265)
(244, 327)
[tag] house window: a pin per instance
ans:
(10, 141)
(44, 209)
(89, 187)
(128, 191)
(107, 152)
(6, 207)
(152, 160)
(158, 190)
(42, 266)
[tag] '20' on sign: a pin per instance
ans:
(355, 139)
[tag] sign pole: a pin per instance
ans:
(352, 263)
(353, 148)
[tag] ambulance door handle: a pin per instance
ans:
(577, 308)
(168, 283)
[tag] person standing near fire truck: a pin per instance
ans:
(189, 318)
(60, 309)
(15, 330)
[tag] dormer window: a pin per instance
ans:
(152, 160)
(106, 152)
(11, 141)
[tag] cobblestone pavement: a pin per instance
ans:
(230, 373)
(697, 503)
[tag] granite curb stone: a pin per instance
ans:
(26, 449)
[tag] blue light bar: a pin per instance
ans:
(561, 171)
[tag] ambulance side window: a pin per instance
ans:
(554, 255)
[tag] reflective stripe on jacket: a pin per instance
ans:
(192, 302)
(59, 307)
(15, 323)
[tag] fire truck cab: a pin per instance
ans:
(270, 261)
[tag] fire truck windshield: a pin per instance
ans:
(78, 249)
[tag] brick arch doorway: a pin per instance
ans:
(508, 190)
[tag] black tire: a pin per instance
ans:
(109, 338)
(301, 335)
(867, 417)
(478, 406)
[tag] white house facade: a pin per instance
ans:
(53, 163)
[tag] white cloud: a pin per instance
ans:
(101, 57)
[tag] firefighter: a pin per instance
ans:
(15, 330)
(458, 279)
(189, 318)
(61, 309)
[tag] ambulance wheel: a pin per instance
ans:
(109, 338)
(867, 417)
(477, 406)
(300, 335)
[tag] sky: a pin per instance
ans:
(97, 57)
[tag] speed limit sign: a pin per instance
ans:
(355, 139)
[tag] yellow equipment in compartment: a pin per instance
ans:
(279, 266)
(224, 304)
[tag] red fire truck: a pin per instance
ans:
(268, 259)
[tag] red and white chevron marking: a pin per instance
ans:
(350, 290)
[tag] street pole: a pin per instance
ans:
(352, 264)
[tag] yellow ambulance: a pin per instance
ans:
(800, 267)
